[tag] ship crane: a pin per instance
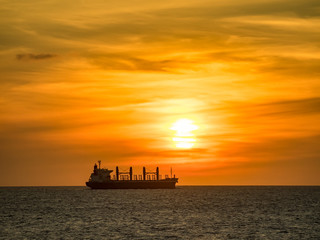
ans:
(118, 173)
(156, 173)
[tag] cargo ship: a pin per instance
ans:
(101, 179)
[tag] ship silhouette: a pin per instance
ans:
(100, 178)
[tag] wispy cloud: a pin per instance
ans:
(31, 56)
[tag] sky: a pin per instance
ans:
(83, 81)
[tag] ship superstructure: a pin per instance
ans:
(101, 179)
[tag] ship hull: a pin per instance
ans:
(126, 184)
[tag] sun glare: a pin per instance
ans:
(184, 136)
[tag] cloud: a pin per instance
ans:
(294, 107)
(272, 149)
(31, 56)
(128, 62)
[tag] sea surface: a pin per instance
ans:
(187, 212)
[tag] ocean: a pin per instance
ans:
(187, 212)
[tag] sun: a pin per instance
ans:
(184, 136)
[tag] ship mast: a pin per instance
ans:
(99, 163)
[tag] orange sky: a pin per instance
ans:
(83, 81)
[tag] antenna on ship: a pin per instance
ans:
(99, 163)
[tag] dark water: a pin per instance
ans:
(182, 213)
